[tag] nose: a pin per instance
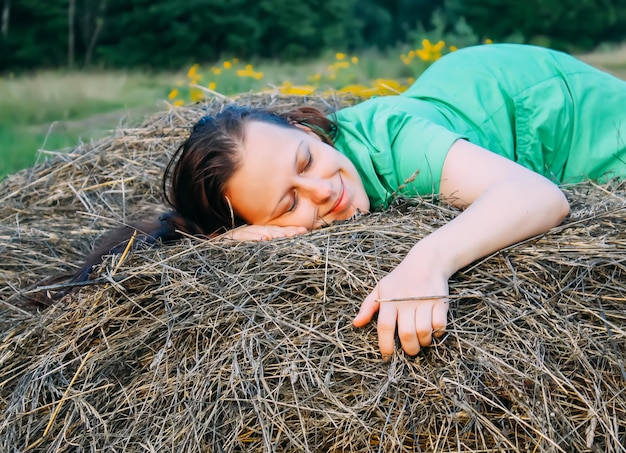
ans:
(318, 190)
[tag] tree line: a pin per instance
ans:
(170, 33)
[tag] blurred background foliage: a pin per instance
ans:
(72, 70)
(167, 34)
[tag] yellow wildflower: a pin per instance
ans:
(258, 75)
(192, 71)
(196, 95)
(423, 54)
(216, 71)
(173, 94)
(340, 56)
(388, 86)
(179, 103)
(300, 90)
(228, 65)
(355, 60)
(360, 90)
(453, 48)
(488, 41)
(212, 86)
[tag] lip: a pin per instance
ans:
(342, 199)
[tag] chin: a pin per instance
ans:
(351, 213)
(362, 207)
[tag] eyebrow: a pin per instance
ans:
(274, 214)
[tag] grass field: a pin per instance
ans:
(57, 110)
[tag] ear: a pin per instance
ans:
(307, 129)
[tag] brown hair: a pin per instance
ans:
(193, 185)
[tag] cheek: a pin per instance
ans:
(305, 218)
(362, 200)
(242, 207)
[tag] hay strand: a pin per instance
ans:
(224, 346)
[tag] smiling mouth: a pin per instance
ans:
(341, 199)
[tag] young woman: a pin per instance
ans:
(490, 129)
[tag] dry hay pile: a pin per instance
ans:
(213, 346)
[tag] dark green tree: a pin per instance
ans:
(568, 24)
(171, 33)
(35, 36)
(299, 29)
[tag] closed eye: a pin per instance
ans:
(308, 162)
(294, 203)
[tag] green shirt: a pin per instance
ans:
(543, 109)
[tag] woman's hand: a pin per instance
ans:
(263, 232)
(504, 203)
(402, 300)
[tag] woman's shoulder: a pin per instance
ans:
(488, 54)
(507, 68)
(384, 108)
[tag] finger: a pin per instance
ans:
(295, 231)
(407, 330)
(247, 233)
(387, 318)
(424, 323)
(368, 309)
(440, 317)
(246, 236)
(269, 233)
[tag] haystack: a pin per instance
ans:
(206, 346)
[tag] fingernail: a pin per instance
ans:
(386, 358)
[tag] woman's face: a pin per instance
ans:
(289, 177)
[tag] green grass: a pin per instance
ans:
(55, 110)
(19, 146)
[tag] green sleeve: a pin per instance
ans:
(398, 146)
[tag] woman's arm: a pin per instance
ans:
(505, 203)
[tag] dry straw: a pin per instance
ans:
(218, 346)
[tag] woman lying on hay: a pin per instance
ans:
(490, 129)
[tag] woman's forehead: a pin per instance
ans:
(262, 129)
